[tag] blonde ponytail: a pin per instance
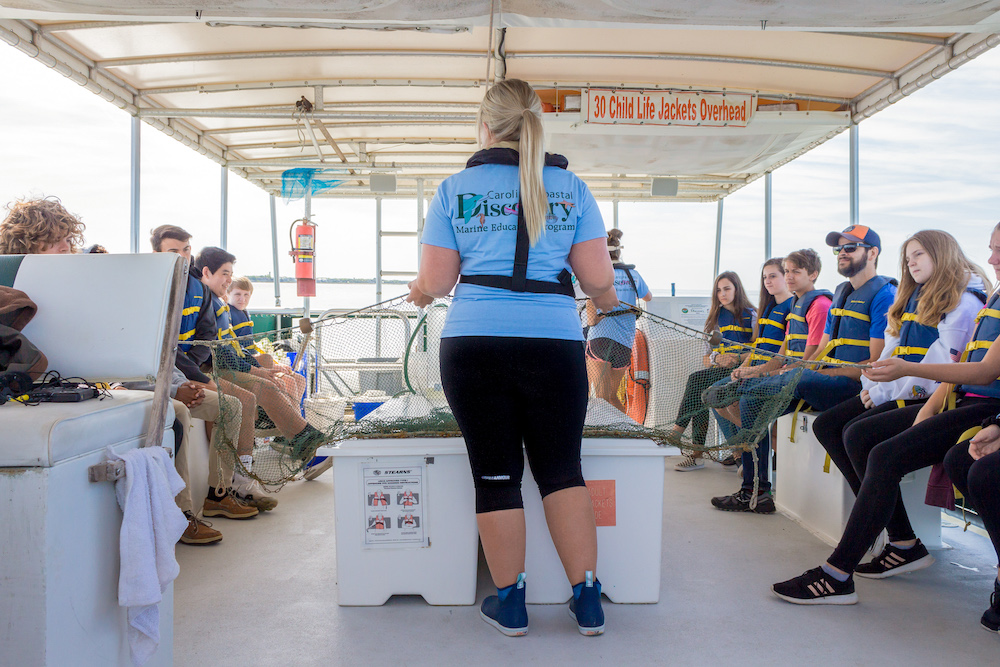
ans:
(513, 112)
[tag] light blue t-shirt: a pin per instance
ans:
(475, 213)
(621, 328)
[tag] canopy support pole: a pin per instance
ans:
(718, 239)
(378, 249)
(854, 181)
(134, 186)
(615, 209)
(420, 217)
(274, 253)
(224, 212)
(307, 214)
(767, 216)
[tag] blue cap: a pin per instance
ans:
(858, 233)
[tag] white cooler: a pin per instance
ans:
(405, 512)
(822, 502)
(625, 478)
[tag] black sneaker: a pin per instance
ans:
(894, 560)
(263, 422)
(721, 395)
(816, 587)
(740, 502)
(991, 617)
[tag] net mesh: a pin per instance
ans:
(374, 373)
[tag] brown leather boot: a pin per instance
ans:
(229, 507)
(199, 532)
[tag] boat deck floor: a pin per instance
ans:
(267, 594)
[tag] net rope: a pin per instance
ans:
(374, 374)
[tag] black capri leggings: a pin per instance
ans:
(505, 391)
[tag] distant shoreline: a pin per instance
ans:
(345, 281)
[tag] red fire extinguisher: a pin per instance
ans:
(302, 235)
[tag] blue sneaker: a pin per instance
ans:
(585, 607)
(505, 611)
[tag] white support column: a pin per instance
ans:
(136, 169)
(767, 216)
(274, 253)
(854, 181)
(378, 249)
(420, 217)
(718, 239)
(614, 208)
(224, 212)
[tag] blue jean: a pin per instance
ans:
(820, 391)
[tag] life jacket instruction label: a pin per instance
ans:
(394, 505)
(670, 107)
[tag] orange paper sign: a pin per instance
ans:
(602, 494)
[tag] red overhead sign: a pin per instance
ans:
(669, 107)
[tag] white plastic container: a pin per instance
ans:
(822, 502)
(626, 481)
(385, 547)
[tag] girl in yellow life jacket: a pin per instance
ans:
(892, 450)
(734, 316)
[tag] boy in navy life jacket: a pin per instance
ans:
(854, 332)
(241, 324)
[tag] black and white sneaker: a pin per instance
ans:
(991, 617)
(816, 587)
(894, 560)
(741, 501)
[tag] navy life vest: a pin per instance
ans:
(798, 327)
(915, 338)
(242, 325)
(194, 297)
(771, 331)
(734, 332)
(518, 280)
(850, 334)
(987, 328)
(224, 322)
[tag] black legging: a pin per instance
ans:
(692, 409)
(508, 391)
(873, 426)
(979, 482)
(917, 447)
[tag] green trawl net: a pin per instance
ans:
(374, 373)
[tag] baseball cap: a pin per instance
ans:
(858, 233)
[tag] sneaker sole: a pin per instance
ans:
(689, 468)
(229, 515)
(850, 598)
(918, 564)
(205, 540)
(995, 631)
(586, 632)
(318, 469)
(510, 632)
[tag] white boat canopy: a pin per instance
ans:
(709, 95)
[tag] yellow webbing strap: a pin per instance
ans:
(900, 403)
(988, 312)
(843, 312)
(826, 464)
(795, 419)
(903, 351)
(967, 435)
(797, 318)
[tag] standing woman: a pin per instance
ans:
(733, 315)
(513, 225)
(610, 337)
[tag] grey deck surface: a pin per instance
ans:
(266, 595)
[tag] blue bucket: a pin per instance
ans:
(362, 409)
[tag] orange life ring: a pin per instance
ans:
(637, 379)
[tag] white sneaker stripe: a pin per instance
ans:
(813, 590)
(829, 588)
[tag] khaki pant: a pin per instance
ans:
(220, 467)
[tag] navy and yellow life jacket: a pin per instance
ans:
(735, 333)
(915, 338)
(987, 328)
(242, 325)
(771, 331)
(194, 297)
(798, 328)
(850, 334)
(224, 323)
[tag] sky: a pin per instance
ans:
(929, 161)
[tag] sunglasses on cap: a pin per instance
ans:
(849, 247)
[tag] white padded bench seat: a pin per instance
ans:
(43, 435)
